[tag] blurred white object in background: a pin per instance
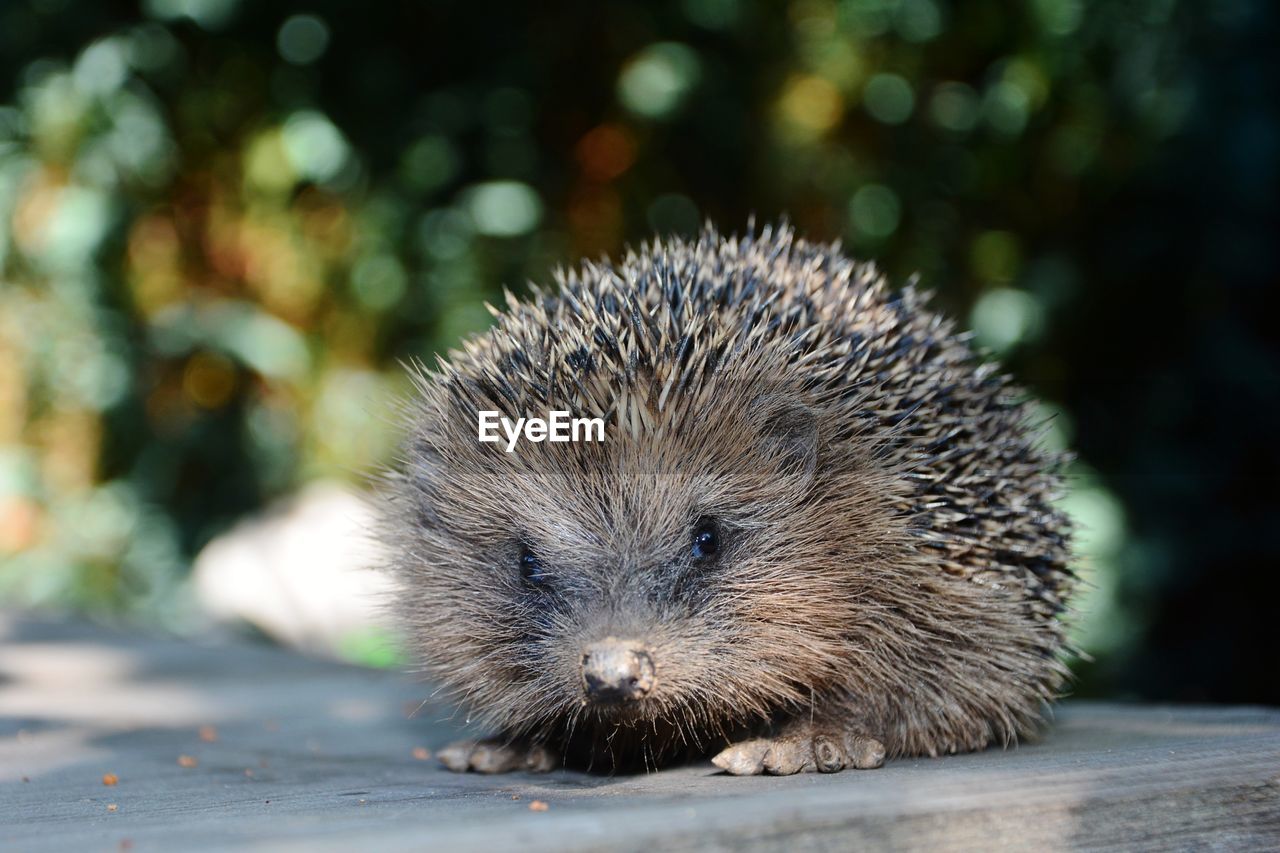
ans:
(304, 572)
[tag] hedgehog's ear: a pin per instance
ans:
(790, 432)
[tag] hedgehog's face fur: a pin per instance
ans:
(685, 558)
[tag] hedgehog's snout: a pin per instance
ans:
(616, 671)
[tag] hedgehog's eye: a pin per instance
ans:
(706, 540)
(530, 567)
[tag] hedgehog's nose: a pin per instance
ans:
(616, 670)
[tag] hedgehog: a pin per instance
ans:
(820, 531)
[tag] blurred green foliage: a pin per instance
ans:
(224, 223)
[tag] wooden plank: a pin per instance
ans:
(311, 755)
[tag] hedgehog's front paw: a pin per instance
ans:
(495, 755)
(803, 750)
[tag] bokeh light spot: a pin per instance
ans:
(378, 281)
(267, 164)
(208, 14)
(302, 39)
(656, 81)
(673, 213)
(1003, 317)
(504, 208)
(875, 211)
(81, 217)
(315, 147)
(605, 152)
(429, 163)
(811, 104)
(102, 67)
(867, 18)
(1101, 534)
(20, 523)
(919, 20)
(889, 99)
(1059, 17)
(1006, 108)
(713, 14)
(209, 379)
(954, 107)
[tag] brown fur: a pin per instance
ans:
(892, 568)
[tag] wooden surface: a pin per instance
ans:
(313, 756)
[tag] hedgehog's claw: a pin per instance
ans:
(802, 751)
(865, 753)
(496, 755)
(787, 756)
(743, 759)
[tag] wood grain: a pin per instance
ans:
(317, 756)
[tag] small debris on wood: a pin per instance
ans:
(208, 734)
(109, 779)
(112, 807)
(421, 753)
(538, 806)
(187, 761)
